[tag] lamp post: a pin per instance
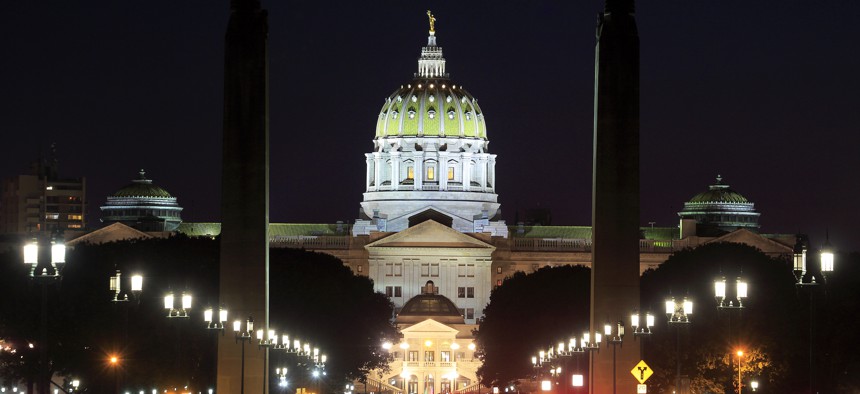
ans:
(806, 278)
(678, 314)
(641, 331)
(48, 274)
(728, 304)
(120, 297)
(740, 354)
(614, 340)
(114, 363)
(243, 335)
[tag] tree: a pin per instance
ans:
(529, 312)
(313, 294)
(764, 329)
(316, 298)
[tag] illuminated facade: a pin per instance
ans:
(430, 157)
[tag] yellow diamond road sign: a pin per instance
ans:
(641, 372)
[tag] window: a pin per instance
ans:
(76, 217)
(393, 269)
(431, 173)
(498, 270)
(52, 216)
(360, 268)
(470, 313)
(430, 269)
(410, 173)
(498, 282)
(74, 226)
(393, 291)
(465, 292)
(413, 355)
(429, 356)
(445, 356)
(466, 270)
(450, 173)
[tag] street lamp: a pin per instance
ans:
(678, 314)
(806, 278)
(741, 287)
(754, 385)
(48, 274)
(740, 354)
(116, 287)
(243, 335)
(209, 313)
(614, 340)
(639, 330)
(182, 311)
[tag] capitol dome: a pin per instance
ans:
(431, 107)
(142, 205)
(721, 208)
(430, 157)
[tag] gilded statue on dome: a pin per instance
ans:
(432, 21)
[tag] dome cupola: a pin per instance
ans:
(430, 153)
(721, 208)
(143, 205)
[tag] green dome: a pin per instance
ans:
(431, 108)
(142, 188)
(719, 194)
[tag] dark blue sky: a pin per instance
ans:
(764, 93)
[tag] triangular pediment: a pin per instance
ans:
(111, 233)
(429, 328)
(746, 237)
(430, 234)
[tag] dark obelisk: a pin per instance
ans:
(615, 192)
(244, 271)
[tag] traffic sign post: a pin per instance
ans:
(641, 372)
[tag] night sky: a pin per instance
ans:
(764, 93)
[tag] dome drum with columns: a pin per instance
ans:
(144, 206)
(430, 153)
(721, 209)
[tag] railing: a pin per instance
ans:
(584, 245)
(311, 241)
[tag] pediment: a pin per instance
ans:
(429, 328)
(111, 233)
(430, 234)
(746, 237)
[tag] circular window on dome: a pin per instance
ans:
(450, 114)
(431, 98)
(394, 114)
(431, 113)
(411, 114)
(468, 115)
(414, 98)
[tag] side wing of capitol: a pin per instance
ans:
(430, 233)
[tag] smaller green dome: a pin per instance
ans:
(719, 193)
(142, 187)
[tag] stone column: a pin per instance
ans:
(377, 170)
(442, 168)
(419, 170)
(615, 192)
(244, 259)
(395, 170)
(467, 171)
(368, 158)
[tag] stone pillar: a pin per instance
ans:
(467, 171)
(492, 170)
(370, 171)
(377, 170)
(615, 191)
(482, 174)
(419, 171)
(395, 170)
(442, 168)
(244, 266)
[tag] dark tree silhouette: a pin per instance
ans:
(529, 312)
(312, 294)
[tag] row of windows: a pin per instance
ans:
(431, 173)
(465, 292)
(430, 355)
(431, 270)
(144, 212)
(462, 292)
